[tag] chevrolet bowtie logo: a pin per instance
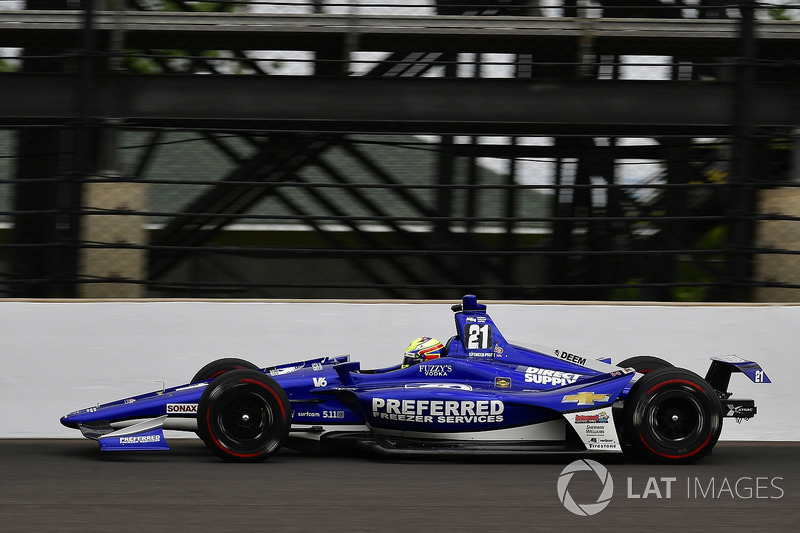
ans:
(585, 398)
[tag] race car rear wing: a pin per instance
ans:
(719, 377)
(719, 373)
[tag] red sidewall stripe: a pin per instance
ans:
(216, 374)
(269, 389)
(674, 456)
(681, 381)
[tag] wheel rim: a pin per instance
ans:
(244, 417)
(676, 419)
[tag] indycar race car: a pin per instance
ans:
(483, 395)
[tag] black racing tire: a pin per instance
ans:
(672, 415)
(220, 366)
(243, 416)
(645, 363)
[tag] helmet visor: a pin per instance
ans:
(411, 358)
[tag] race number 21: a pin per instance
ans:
(479, 336)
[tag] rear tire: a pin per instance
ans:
(645, 363)
(220, 366)
(243, 416)
(672, 415)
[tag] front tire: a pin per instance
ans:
(672, 415)
(220, 366)
(243, 416)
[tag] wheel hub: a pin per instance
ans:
(243, 416)
(676, 418)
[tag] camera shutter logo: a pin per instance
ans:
(587, 509)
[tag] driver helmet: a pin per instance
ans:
(422, 349)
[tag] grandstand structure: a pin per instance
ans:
(517, 149)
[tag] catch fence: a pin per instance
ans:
(621, 150)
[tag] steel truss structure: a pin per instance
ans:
(716, 121)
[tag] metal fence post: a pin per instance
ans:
(742, 204)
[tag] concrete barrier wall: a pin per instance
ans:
(62, 356)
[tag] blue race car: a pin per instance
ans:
(477, 394)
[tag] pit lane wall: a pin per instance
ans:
(61, 356)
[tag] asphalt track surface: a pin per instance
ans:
(69, 485)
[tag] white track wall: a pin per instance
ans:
(62, 356)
